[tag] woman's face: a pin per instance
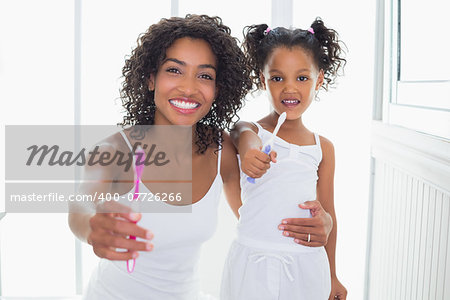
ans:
(185, 83)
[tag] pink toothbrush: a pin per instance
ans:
(139, 167)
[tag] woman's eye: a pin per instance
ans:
(276, 78)
(206, 76)
(173, 70)
(302, 78)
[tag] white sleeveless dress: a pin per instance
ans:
(262, 264)
(169, 271)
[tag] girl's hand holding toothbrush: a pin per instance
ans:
(255, 162)
(268, 145)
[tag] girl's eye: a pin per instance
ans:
(302, 78)
(206, 76)
(173, 70)
(276, 78)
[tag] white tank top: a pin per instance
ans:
(276, 195)
(169, 271)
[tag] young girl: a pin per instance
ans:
(292, 65)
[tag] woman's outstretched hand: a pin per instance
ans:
(312, 232)
(110, 228)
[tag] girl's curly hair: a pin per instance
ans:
(232, 80)
(322, 42)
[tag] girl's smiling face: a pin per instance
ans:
(292, 78)
(185, 83)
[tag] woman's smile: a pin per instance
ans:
(184, 105)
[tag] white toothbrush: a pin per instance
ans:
(267, 147)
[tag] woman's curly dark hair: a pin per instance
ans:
(323, 43)
(233, 75)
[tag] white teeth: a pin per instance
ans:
(291, 101)
(184, 104)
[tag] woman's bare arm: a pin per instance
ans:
(230, 175)
(106, 225)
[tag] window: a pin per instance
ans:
(418, 73)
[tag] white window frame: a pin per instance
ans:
(403, 100)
